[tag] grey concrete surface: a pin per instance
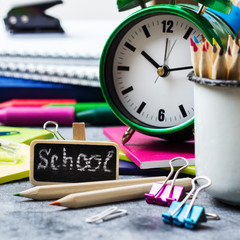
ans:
(21, 218)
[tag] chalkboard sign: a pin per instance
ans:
(57, 161)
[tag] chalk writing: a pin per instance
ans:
(83, 162)
(66, 162)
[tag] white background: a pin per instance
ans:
(75, 9)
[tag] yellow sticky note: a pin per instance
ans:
(19, 170)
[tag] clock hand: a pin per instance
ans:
(165, 70)
(180, 68)
(171, 49)
(156, 79)
(155, 64)
(165, 54)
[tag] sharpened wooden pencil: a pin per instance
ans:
(220, 68)
(230, 41)
(234, 71)
(104, 196)
(235, 47)
(49, 192)
(205, 64)
(194, 56)
(228, 56)
(215, 50)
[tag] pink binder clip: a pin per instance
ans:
(164, 194)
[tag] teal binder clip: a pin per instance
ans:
(188, 215)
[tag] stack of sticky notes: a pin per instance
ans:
(15, 151)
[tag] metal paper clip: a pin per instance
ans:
(165, 194)
(55, 133)
(9, 152)
(188, 215)
(106, 215)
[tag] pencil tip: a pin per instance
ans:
(204, 48)
(56, 203)
(191, 42)
(214, 41)
(207, 45)
(214, 48)
(229, 51)
(193, 45)
(17, 194)
(236, 40)
(203, 38)
(195, 39)
(221, 51)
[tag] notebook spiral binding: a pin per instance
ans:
(74, 70)
(56, 59)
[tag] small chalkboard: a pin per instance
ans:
(65, 161)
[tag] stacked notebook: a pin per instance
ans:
(69, 60)
(151, 153)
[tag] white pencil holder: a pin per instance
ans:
(217, 136)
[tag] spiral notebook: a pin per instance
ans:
(70, 58)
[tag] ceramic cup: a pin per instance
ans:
(217, 136)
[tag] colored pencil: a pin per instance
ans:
(195, 39)
(215, 50)
(234, 71)
(118, 194)
(48, 192)
(194, 56)
(235, 47)
(228, 56)
(230, 41)
(205, 64)
(203, 38)
(220, 66)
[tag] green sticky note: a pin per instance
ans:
(24, 135)
(17, 167)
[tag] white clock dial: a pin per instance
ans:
(150, 68)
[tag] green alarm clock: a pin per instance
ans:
(146, 60)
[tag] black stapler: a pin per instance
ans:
(30, 18)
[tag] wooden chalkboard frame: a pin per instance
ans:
(34, 179)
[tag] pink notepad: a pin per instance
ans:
(151, 152)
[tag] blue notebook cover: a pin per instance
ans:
(21, 88)
(128, 168)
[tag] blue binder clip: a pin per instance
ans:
(164, 194)
(188, 215)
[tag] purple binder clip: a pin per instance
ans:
(165, 194)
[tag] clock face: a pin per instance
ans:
(150, 61)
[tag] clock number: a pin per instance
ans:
(167, 26)
(161, 115)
